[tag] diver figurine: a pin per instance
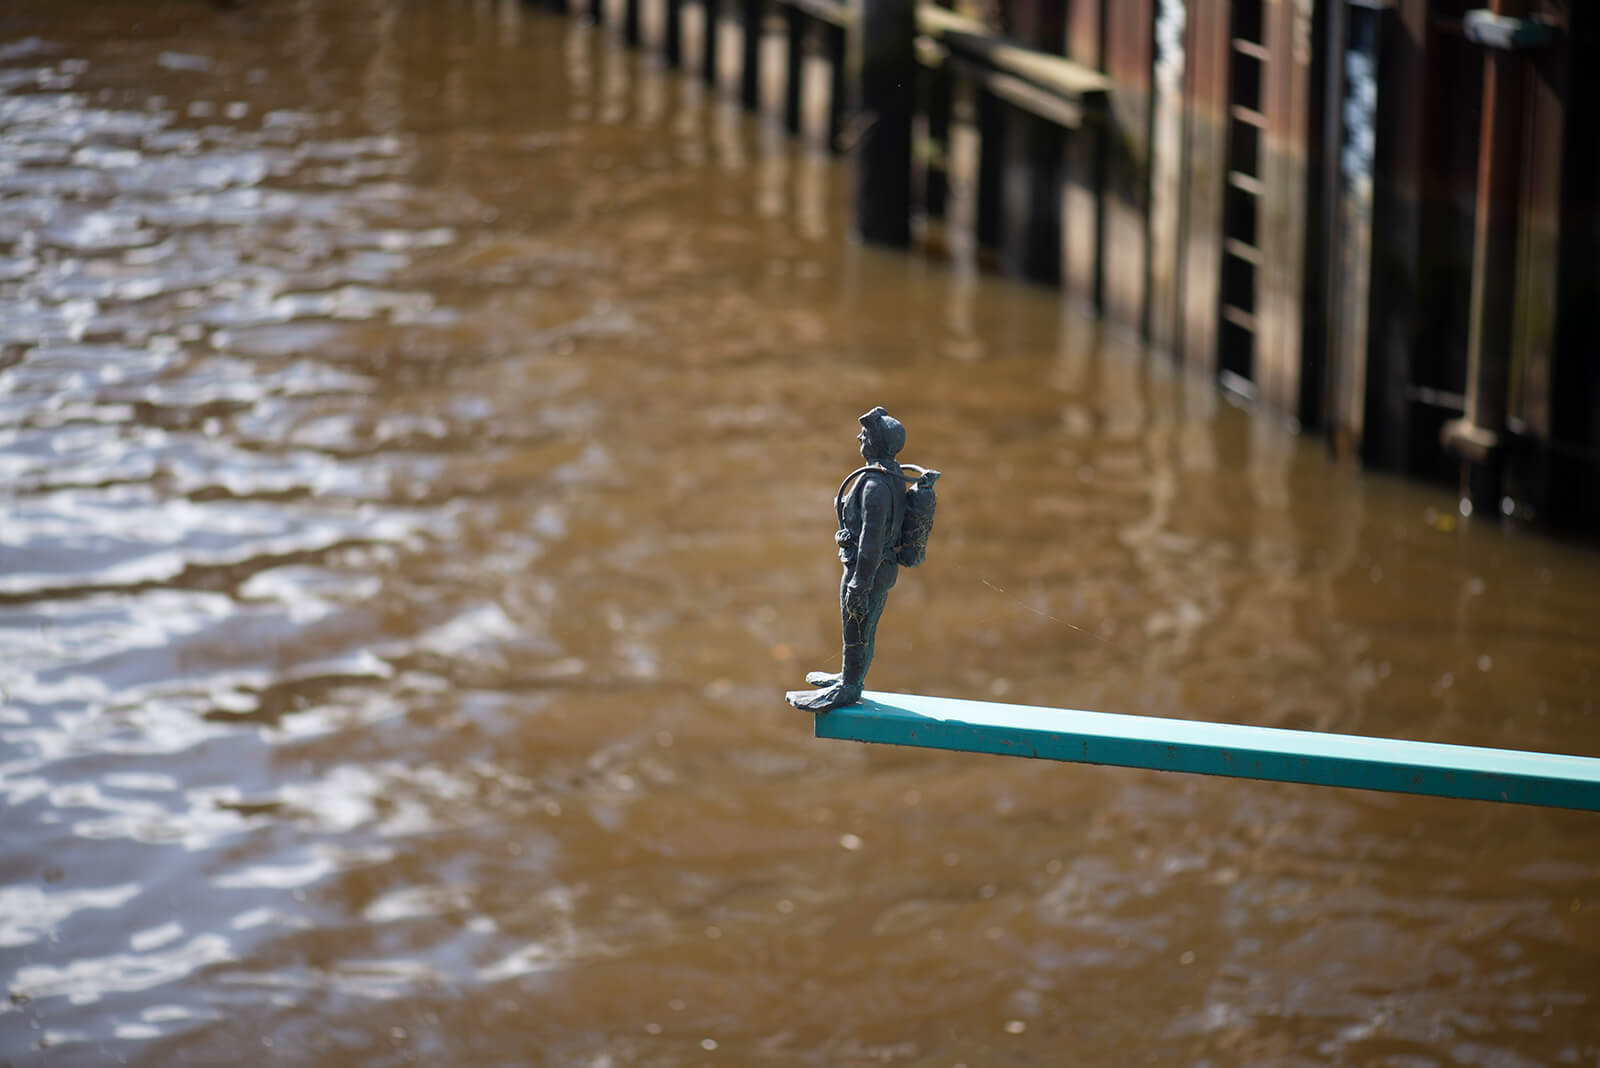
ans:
(882, 524)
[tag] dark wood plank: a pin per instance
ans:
(1207, 38)
(887, 89)
(1082, 224)
(1129, 58)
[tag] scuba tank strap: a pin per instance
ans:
(839, 498)
(847, 537)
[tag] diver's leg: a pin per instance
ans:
(829, 678)
(846, 689)
(882, 583)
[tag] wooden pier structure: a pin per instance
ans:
(1377, 218)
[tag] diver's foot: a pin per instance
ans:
(823, 678)
(825, 700)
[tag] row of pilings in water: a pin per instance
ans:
(1376, 218)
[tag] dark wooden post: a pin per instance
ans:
(939, 88)
(1572, 384)
(1030, 225)
(794, 71)
(993, 117)
(709, 40)
(1206, 161)
(672, 32)
(1130, 39)
(1379, 423)
(1281, 212)
(630, 22)
(886, 81)
(1477, 436)
(1350, 169)
(1082, 222)
(836, 42)
(752, 15)
(1030, 211)
(1167, 172)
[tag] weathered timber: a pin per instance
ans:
(993, 117)
(1030, 208)
(1375, 425)
(1200, 195)
(967, 37)
(1572, 452)
(1478, 435)
(710, 44)
(1235, 750)
(934, 159)
(1167, 159)
(1082, 228)
(795, 29)
(752, 14)
(836, 47)
(1206, 162)
(1129, 38)
(1281, 218)
(672, 32)
(630, 22)
(1350, 169)
(887, 85)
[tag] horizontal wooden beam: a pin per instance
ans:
(970, 37)
(1024, 76)
(830, 11)
(1268, 753)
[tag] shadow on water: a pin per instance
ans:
(418, 424)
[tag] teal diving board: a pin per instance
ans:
(1270, 753)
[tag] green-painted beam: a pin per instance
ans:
(1270, 753)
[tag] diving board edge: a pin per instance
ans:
(1234, 750)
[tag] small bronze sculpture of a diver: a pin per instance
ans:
(881, 526)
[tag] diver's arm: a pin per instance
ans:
(876, 507)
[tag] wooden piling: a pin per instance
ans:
(672, 32)
(752, 15)
(938, 93)
(1478, 437)
(630, 22)
(1208, 204)
(1130, 35)
(795, 24)
(1167, 169)
(1030, 209)
(886, 79)
(1030, 224)
(993, 117)
(1081, 220)
(1207, 40)
(1572, 452)
(709, 44)
(836, 47)
(1374, 423)
(1281, 219)
(1350, 170)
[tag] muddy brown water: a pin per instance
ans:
(417, 425)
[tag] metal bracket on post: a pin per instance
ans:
(1473, 443)
(1502, 31)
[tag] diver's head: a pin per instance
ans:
(882, 435)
